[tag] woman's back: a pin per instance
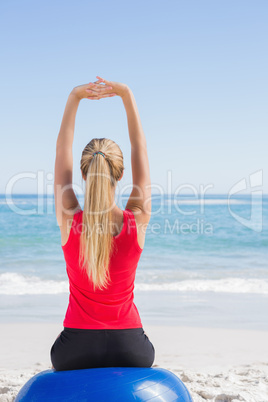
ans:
(112, 307)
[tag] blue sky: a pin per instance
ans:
(198, 70)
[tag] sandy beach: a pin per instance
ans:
(215, 364)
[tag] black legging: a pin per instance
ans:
(76, 349)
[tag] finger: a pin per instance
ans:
(99, 82)
(99, 87)
(93, 93)
(101, 96)
(92, 89)
(103, 88)
(103, 80)
(100, 91)
(92, 86)
(107, 95)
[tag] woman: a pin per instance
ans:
(102, 244)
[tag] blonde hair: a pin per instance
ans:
(102, 174)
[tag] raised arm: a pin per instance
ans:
(66, 202)
(140, 197)
(65, 198)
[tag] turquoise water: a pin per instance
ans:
(193, 249)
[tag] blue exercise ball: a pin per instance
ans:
(107, 384)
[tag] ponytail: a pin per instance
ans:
(96, 241)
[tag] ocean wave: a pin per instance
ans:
(16, 284)
(12, 283)
(228, 285)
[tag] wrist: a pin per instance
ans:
(127, 93)
(74, 94)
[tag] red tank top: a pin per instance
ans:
(111, 308)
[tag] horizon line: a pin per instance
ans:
(81, 195)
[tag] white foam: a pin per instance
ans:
(228, 285)
(16, 284)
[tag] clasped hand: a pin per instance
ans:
(100, 89)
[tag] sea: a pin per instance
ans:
(204, 262)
